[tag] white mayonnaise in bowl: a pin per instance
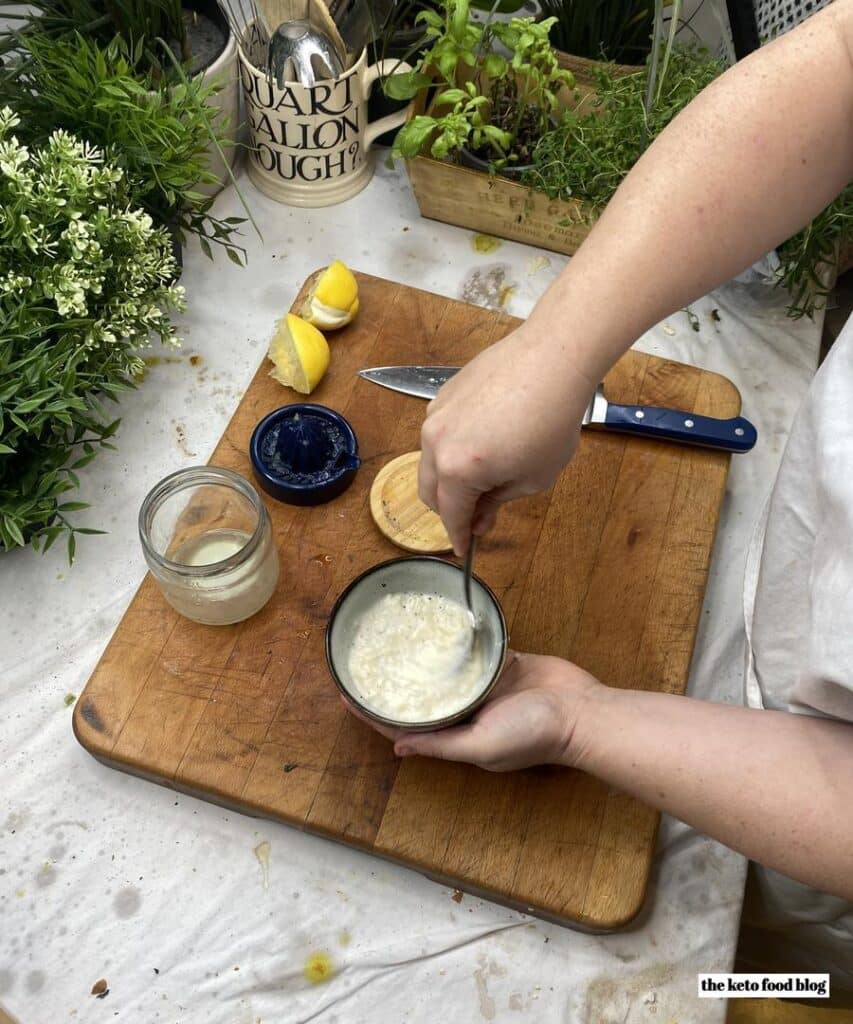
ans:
(398, 644)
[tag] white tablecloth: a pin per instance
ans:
(178, 904)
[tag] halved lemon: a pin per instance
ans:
(300, 354)
(333, 299)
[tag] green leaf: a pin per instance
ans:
(51, 533)
(430, 18)
(494, 66)
(14, 531)
(6, 449)
(234, 256)
(72, 506)
(30, 404)
(450, 96)
(460, 20)
(413, 136)
(501, 138)
(447, 65)
(405, 86)
(84, 460)
(72, 548)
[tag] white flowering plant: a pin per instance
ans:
(85, 281)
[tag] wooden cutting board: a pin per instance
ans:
(607, 569)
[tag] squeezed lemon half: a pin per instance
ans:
(333, 299)
(300, 354)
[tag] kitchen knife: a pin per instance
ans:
(736, 435)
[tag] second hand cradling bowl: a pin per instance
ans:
(423, 574)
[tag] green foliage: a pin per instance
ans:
(805, 257)
(136, 21)
(159, 137)
(84, 281)
(586, 157)
(497, 105)
(611, 30)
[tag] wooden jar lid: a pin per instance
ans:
(400, 514)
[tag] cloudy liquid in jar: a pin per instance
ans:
(211, 547)
(227, 596)
(410, 658)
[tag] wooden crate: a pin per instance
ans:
(584, 69)
(497, 206)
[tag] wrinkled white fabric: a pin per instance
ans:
(799, 613)
(103, 875)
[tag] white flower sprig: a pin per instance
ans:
(85, 281)
(68, 236)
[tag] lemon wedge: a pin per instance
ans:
(333, 299)
(300, 354)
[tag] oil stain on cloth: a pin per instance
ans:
(319, 968)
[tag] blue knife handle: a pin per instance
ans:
(734, 435)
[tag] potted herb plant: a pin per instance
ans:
(84, 282)
(196, 31)
(577, 156)
(587, 33)
(152, 82)
(489, 110)
(588, 154)
(616, 36)
(810, 260)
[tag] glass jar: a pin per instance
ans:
(208, 542)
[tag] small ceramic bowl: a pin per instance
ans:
(304, 454)
(424, 574)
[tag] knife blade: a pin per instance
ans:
(419, 381)
(736, 435)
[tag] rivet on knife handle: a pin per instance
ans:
(735, 435)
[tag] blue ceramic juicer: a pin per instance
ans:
(304, 454)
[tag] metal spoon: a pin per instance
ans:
(466, 584)
(305, 51)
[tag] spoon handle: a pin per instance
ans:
(469, 562)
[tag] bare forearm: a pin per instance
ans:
(743, 167)
(774, 786)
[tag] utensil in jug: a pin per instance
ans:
(242, 15)
(300, 52)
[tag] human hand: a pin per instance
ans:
(529, 719)
(501, 428)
